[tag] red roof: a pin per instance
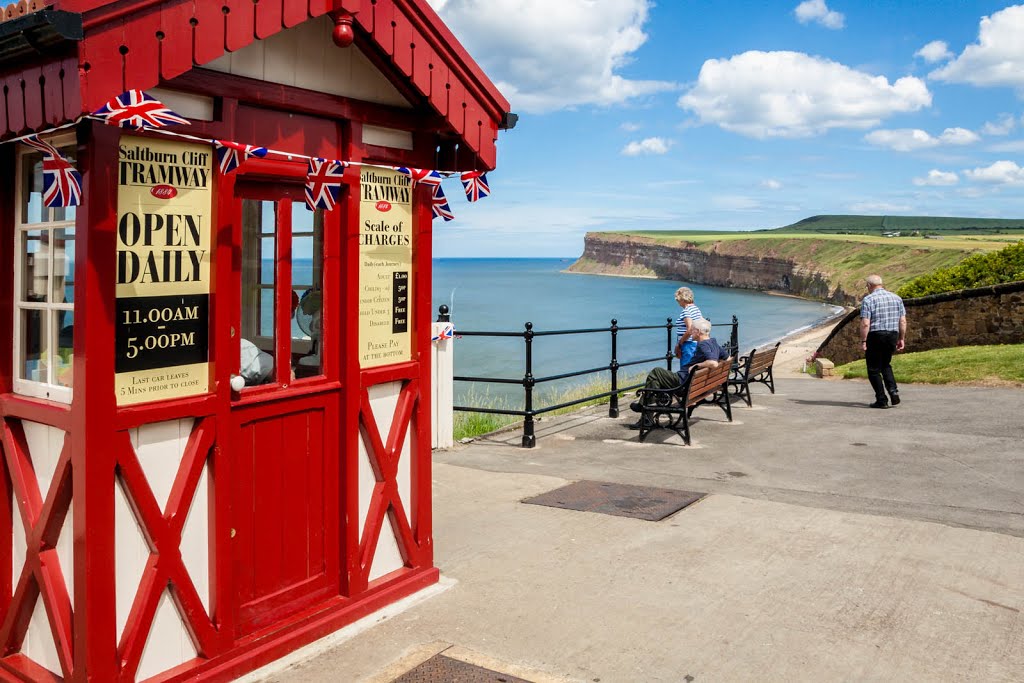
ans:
(138, 43)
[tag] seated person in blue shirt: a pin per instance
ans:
(709, 354)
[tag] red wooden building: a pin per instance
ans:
(214, 401)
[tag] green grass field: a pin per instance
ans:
(991, 365)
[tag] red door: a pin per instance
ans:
(283, 432)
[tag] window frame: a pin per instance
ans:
(23, 386)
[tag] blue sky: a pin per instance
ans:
(681, 114)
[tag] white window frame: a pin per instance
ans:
(26, 387)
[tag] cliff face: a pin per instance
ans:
(720, 264)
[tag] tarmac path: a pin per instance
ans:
(837, 543)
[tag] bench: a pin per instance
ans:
(671, 408)
(754, 367)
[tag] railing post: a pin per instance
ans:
(613, 400)
(444, 317)
(668, 343)
(529, 440)
(734, 337)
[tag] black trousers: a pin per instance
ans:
(881, 346)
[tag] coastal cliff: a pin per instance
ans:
(820, 269)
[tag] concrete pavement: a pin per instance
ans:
(837, 543)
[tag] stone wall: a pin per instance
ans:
(969, 317)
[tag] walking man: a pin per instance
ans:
(883, 331)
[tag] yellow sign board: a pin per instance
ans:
(385, 267)
(164, 215)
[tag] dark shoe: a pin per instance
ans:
(879, 404)
(636, 407)
(643, 423)
(635, 426)
(895, 398)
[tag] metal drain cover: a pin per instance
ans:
(441, 669)
(622, 500)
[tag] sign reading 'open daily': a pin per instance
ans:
(385, 265)
(163, 270)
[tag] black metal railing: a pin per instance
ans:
(528, 381)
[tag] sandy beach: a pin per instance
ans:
(796, 348)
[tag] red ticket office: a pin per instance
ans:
(214, 402)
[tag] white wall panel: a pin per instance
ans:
(195, 541)
(168, 644)
(130, 555)
(387, 558)
(159, 447)
(39, 645)
(305, 57)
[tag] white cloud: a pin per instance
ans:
(630, 127)
(935, 51)
(647, 146)
(792, 94)
(731, 202)
(771, 184)
(1010, 146)
(937, 178)
(999, 173)
(817, 11)
(1003, 126)
(913, 139)
(547, 55)
(997, 59)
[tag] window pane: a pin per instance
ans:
(64, 327)
(64, 266)
(307, 285)
(258, 287)
(33, 353)
(32, 209)
(35, 265)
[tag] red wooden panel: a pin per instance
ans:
(439, 76)
(241, 24)
(176, 46)
(15, 104)
(404, 36)
(106, 64)
(362, 10)
(320, 485)
(475, 118)
(53, 95)
(383, 31)
(320, 7)
(268, 459)
(33, 98)
(208, 36)
(3, 117)
(142, 63)
(6, 527)
(242, 518)
(72, 85)
(422, 57)
(268, 18)
(293, 511)
(294, 12)
(456, 104)
(488, 151)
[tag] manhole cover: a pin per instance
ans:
(622, 500)
(441, 669)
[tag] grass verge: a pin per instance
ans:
(984, 365)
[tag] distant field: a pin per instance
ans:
(951, 242)
(879, 224)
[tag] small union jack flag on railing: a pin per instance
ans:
(136, 109)
(439, 204)
(62, 184)
(447, 332)
(231, 154)
(323, 183)
(421, 175)
(475, 183)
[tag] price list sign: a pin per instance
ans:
(163, 270)
(385, 264)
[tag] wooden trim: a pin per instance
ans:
(8, 208)
(421, 503)
(48, 413)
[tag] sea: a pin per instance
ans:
(503, 294)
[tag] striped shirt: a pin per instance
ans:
(691, 313)
(884, 309)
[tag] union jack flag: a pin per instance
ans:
(323, 183)
(447, 332)
(422, 175)
(136, 109)
(62, 184)
(439, 204)
(231, 154)
(476, 185)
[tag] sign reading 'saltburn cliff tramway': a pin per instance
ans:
(163, 270)
(385, 265)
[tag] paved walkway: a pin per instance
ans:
(838, 543)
